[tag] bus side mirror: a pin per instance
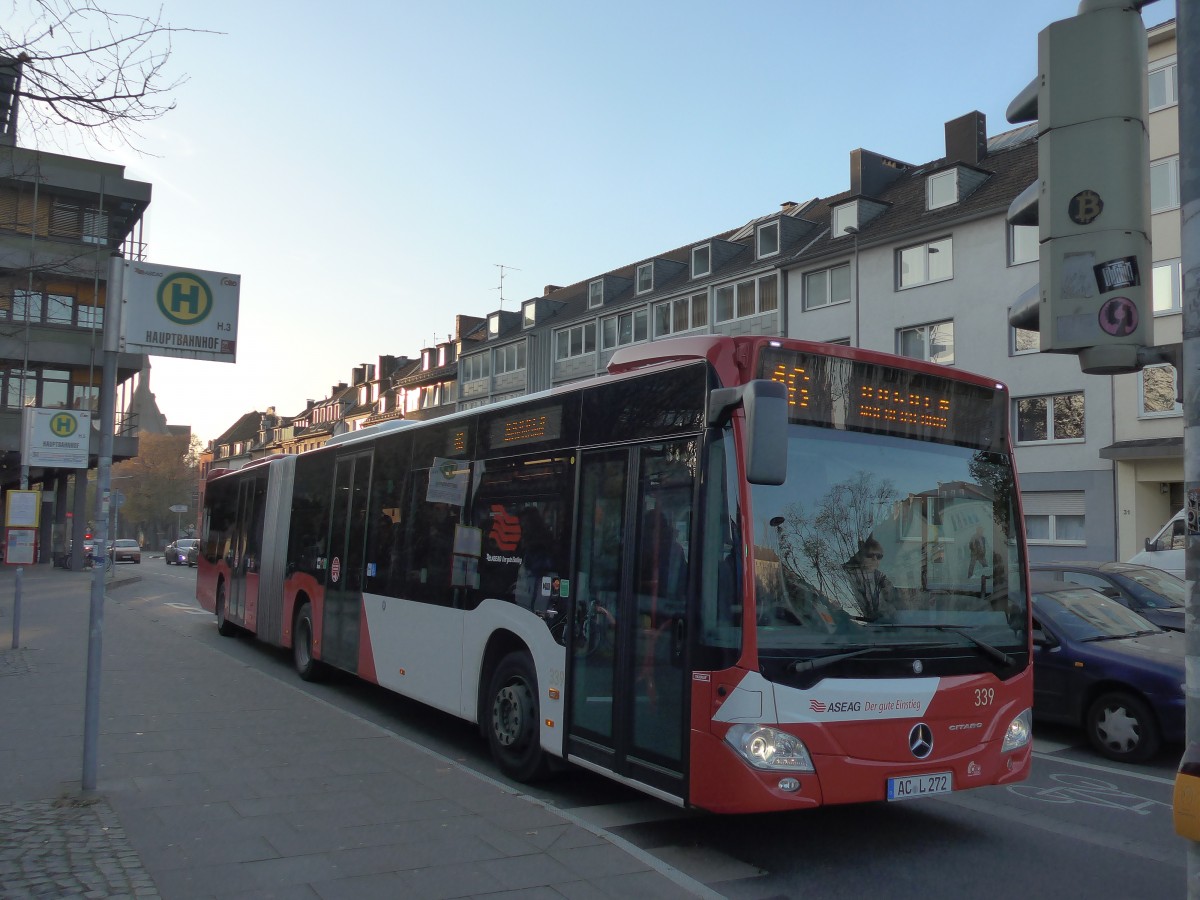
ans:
(765, 405)
(766, 408)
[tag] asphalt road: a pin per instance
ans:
(1080, 827)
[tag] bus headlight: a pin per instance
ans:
(1020, 732)
(769, 748)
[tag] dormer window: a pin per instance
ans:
(701, 261)
(645, 278)
(426, 360)
(941, 189)
(529, 314)
(494, 325)
(768, 239)
(441, 356)
(595, 294)
(844, 217)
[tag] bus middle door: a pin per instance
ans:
(344, 577)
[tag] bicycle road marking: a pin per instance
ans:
(1157, 779)
(187, 608)
(1081, 789)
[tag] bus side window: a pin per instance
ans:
(430, 544)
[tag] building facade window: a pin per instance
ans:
(1055, 528)
(645, 278)
(933, 342)
(747, 298)
(626, 328)
(1050, 419)
(680, 315)
(701, 261)
(1166, 286)
(1054, 517)
(509, 359)
(47, 388)
(941, 189)
(48, 308)
(1022, 244)
(575, 341)
(595, 294)
(1157, 387)
(1164, 184)
(768, 239)
(925, 263)
(827, 287)
(845, 216)
(1025, 341)
(1163, 82)
(475, 367)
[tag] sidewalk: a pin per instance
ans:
(216, 780)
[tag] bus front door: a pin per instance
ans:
(342, 611)
(628, 675)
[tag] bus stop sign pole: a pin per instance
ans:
(108, 394)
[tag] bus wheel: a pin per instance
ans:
(307, 667)
(225, 628)
(513, 719)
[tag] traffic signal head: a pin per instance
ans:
(1092, 192)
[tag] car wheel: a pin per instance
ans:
(307, 667)
(225, 628)
(513, 719)
(1122, 727)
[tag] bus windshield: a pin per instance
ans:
(880, 542)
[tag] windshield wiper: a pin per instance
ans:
(821, 662)
(994, 652)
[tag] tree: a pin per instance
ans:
(162, 475)
(78, 65)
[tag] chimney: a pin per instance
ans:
(966, 138)
(871, 173)
(550, 289)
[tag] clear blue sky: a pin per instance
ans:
(366, 165)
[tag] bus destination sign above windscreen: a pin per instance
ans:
(844, 394)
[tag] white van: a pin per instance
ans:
(1165, 550)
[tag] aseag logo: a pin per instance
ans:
(63, 425)
(185, 298)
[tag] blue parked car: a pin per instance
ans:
(1152, 593)
(1103, 666)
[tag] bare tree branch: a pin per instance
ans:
(88, 71)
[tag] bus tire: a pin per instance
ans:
(513, 719)
(307, 666)
(225, 628)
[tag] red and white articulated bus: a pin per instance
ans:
(739, 574)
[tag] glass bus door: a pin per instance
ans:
(628, 673)
(343, 578)
(247, 535)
